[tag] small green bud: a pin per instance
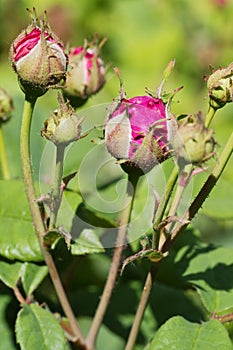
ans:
(6, 106)
(193, 143)
(63, 126)
(219, 85)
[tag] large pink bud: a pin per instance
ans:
(38, 58)
(138, 132)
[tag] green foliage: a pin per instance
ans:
(87, 243)
(178, 333)
(32, 276)
(18, 241)
(36, 328)
(210, 271)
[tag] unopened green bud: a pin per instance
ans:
(6, 105)
(219, 85)
(63, 126)
(193, 143)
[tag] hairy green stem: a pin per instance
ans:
(3, 157)
(181, 186)
(162, 206)
(36, 216)
(56, 191)
(209, 116)
(203, 193)
(116, 260)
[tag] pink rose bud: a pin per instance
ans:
(86, 75)
(38, 58)
(138, 132)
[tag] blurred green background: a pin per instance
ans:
(143, 36)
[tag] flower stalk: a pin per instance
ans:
(183, 181)
(36, 216)
(56, 191)
(140, 310)
(209, 116)
(162, 207)
(124, 218)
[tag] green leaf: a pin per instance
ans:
(17, 238)
(32, 276)
(210, 270)
(94, 218)
(37, 329)
(180, 334)
(87, 243)
(10, 272)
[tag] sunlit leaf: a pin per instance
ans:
(10, 272)
(180, 334)
(32, 276)
(210, 270)
(17, 237)
(37, 329)
(87, 243)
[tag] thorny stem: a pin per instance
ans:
(36, 216)
(3, 157)
(203, 193)
(140, 310)
(116, 260)
(56, 191)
